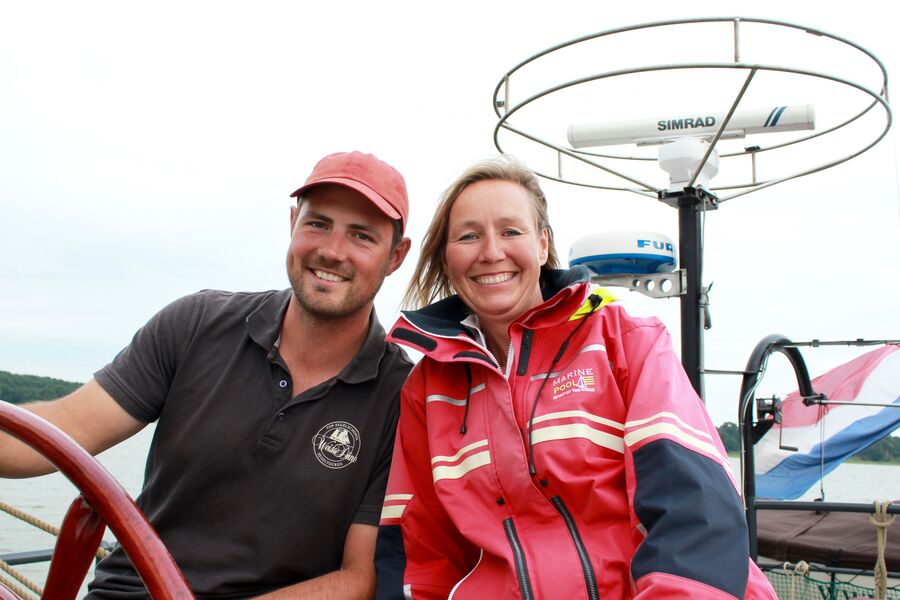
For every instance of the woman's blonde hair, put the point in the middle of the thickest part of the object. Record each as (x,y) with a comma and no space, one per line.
(429,282)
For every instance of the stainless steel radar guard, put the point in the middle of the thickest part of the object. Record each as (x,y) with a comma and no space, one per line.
(693,199)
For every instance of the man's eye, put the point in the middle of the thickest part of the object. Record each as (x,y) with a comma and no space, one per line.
(365,237)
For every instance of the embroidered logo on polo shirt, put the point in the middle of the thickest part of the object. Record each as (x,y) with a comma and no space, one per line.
(337,444)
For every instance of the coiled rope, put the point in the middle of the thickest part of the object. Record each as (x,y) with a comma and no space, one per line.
(881,520)
(801,570)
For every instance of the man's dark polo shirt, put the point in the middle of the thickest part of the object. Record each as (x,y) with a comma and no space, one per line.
(250,489)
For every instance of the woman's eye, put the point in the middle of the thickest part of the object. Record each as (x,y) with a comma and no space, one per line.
(512,233)
(467,237)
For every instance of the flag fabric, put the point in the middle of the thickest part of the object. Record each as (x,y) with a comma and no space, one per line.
(872,378)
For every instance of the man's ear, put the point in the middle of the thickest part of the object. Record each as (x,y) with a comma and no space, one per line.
(295,211)
(398,254)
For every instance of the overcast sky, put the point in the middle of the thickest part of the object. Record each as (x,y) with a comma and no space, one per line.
(148,150)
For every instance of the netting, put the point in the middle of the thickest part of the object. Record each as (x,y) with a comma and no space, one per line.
(790,585)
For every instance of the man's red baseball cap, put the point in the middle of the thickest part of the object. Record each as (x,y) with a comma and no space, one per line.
(375,179)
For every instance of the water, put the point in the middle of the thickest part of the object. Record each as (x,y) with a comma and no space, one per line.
(48,497)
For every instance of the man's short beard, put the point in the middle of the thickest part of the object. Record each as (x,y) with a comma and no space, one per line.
(350,305)
(329,312)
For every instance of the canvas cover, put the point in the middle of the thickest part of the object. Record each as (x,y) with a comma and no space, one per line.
(829,538)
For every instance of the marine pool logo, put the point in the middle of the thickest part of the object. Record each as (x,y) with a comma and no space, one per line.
(337,444)
(576,380)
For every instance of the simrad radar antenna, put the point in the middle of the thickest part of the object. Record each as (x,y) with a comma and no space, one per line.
(732,98)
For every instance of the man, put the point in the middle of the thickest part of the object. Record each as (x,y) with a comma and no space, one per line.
(275,411)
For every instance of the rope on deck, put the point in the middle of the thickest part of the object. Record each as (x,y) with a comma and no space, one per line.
(17,589)
(881,520)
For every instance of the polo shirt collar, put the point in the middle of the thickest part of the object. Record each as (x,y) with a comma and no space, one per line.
(264,327)
(364,365)
(264,323)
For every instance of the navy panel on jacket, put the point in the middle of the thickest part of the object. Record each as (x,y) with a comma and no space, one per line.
(693,516)
(390,563)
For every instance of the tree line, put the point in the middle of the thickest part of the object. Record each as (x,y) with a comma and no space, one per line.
(884,450)
(18,389)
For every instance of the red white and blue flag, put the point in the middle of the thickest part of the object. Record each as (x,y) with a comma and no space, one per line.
(826,435)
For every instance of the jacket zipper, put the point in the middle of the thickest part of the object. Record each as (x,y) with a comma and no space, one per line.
(519,557)
(460,337)
(590,580)
(461,581)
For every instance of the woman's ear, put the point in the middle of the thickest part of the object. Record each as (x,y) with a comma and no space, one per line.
(545,247)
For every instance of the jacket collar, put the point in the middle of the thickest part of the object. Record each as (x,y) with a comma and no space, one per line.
(444,317)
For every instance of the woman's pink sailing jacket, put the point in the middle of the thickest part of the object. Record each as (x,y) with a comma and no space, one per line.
(591,471)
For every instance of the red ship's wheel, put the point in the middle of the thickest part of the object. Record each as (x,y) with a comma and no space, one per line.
(102,502)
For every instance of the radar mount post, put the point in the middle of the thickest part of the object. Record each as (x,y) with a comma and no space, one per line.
(691,202)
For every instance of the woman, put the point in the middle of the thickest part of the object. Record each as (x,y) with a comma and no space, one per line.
(549,445)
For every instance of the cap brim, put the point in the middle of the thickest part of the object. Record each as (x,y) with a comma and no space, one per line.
(373,196)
